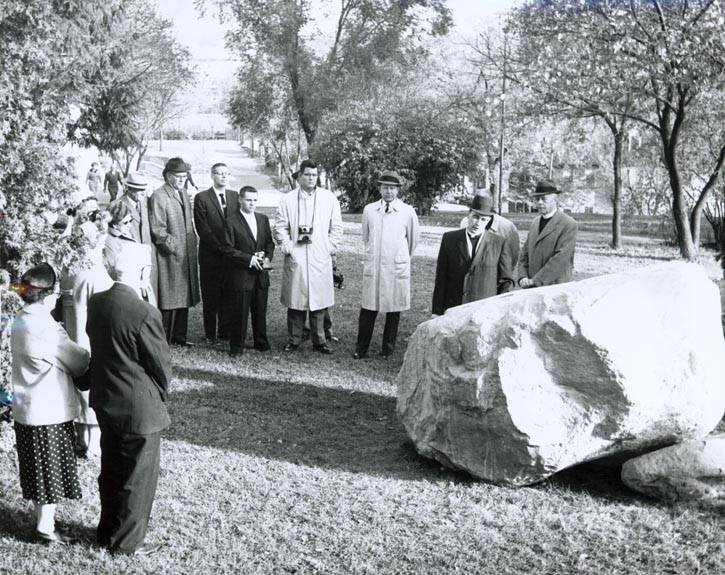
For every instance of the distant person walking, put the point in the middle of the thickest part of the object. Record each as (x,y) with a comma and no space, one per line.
(390,234)
(173,234)
(308,230)
(113,181)
(94,179)
(547,257)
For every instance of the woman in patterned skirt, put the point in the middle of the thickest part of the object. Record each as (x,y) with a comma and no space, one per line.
(44,363)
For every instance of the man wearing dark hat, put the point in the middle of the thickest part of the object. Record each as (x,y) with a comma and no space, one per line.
(547,257)
(212,207)
(506,228)
(473,263)
(390,234)
(172,231)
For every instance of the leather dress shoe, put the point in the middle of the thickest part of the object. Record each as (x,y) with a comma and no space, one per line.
(323,348)
(359,355)
(291,347)
(333,339)
(262,349)
(55,537)
(182,343)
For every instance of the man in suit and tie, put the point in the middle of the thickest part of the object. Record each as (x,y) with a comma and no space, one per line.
(547,257)
(249,250)
(131,370)
(211,209)
(474,262)
(172,231)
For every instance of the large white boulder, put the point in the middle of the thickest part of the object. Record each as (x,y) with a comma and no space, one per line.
(515,388)
(693,470)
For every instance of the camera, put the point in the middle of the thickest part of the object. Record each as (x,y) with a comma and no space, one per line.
(304,234)
(337,278)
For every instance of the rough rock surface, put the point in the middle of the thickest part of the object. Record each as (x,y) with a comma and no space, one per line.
(693,470)
(515,388)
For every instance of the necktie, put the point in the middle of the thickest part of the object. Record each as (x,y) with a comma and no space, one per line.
(474,243)
(387,207)
(223,203)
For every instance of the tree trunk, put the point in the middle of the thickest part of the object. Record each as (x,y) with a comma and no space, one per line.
(617,197)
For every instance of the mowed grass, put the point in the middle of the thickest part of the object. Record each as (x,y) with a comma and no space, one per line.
(296,463)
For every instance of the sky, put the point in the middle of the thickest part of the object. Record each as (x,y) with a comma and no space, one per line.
(205,36)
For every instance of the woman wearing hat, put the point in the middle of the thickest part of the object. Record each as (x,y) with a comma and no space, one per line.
(45,361)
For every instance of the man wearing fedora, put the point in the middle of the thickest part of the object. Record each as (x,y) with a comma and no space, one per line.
(172,231)
(474,262)
(547,257)
(390,234)
(506,228)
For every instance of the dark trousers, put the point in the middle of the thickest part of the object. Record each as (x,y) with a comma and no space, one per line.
(211,281)
(176,324)
(127,486)
(241,303)
(296,323)
(366,324)
(327,322)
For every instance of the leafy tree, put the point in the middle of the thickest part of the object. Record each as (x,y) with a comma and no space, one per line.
(315,74)
(139,90)
(650,62)
(420,136)
(47,51)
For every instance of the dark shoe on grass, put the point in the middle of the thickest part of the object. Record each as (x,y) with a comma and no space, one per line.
(291,347)
(360,355)
(55,537)
(323,348)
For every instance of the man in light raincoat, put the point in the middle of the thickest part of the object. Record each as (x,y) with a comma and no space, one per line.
(308,231)
(390,234)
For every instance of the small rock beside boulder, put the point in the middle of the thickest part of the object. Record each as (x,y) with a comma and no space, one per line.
(517,387)
(692,470)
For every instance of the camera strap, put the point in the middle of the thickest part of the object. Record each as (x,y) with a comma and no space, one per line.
(314,209)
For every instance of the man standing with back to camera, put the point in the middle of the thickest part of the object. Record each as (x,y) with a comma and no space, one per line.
(390,234)
(308,230)
(130,375)
(547,257)
(211,210)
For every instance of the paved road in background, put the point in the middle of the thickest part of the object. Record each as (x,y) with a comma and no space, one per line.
(202,154)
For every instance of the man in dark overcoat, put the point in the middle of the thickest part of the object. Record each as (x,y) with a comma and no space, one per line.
(172,231)
(131,371)
(211,209)
(474,262)
(249,249)
(547,257)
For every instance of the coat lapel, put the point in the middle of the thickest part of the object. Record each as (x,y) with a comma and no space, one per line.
(550,227)
(248,230)
(463,247)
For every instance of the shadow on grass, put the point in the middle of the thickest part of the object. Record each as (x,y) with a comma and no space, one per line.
(20,525)
(300,423)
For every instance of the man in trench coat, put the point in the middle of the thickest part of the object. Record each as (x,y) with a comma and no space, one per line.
(473,263)
(308,231)
(547,257)
(390,234)
(172,231)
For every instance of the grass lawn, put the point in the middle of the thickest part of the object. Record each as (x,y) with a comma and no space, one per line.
(296,463)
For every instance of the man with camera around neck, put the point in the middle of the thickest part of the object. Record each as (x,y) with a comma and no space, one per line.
(308,230)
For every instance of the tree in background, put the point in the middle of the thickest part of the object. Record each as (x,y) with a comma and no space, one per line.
(650,62)
(405,127)
(47,51)
(140,89)
(314,74)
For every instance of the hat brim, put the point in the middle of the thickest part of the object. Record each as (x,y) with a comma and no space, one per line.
(398,184)
(480,212)
(137,188)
